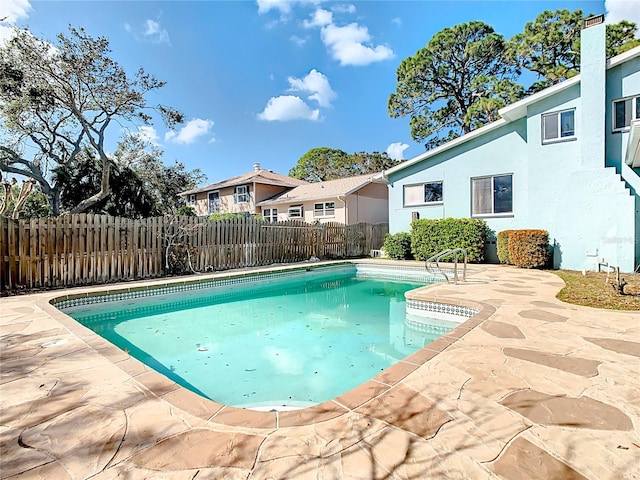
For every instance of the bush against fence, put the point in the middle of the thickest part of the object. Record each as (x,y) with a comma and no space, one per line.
(88,249)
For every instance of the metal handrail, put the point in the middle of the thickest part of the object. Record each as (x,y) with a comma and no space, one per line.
(435,259)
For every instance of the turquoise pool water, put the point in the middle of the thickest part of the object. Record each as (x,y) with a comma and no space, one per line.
(276,342)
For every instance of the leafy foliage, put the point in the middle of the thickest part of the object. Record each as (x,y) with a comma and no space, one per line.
(321,164)
(214,217)
(466,73)
(397,245)
(429,237)
(59,100)
(35,206)
(529,248)
(502,246)
(141,184)
(456,83)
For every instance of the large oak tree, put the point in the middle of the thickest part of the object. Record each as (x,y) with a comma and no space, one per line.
(57,103)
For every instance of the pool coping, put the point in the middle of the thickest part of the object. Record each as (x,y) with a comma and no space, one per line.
(209,410)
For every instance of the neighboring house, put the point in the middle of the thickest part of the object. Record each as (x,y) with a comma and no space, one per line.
(239,194)
(347,200)
(566,159)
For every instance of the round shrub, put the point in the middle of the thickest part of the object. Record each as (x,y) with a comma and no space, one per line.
(529,248)
(397,245)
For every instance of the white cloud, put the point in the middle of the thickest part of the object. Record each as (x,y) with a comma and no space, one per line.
(288,107)
(192,131)
(14,10)
(283,6)
(320,18)
(396,150)
(155,32)
(298,40)
(10,12)
(148,134)
(397,21)
(617,10)
(347,45)
(317,85)
(344,8)
(151,31)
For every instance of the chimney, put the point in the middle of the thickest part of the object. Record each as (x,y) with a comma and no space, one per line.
(593,83)
(256,167)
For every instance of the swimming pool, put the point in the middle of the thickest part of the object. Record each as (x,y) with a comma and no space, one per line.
(234,341)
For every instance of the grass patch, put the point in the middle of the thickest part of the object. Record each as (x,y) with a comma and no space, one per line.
(593,290)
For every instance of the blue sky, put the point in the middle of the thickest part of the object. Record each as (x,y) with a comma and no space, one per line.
(266,81)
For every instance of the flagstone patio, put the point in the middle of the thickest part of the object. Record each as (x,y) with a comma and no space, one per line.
(529,388)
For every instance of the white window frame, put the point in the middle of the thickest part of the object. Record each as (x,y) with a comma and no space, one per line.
(192,199)
(558,115)
(493,193)
(241,194)
(295,211)
(423,194)
(635,112)
(270,214)
(324,209)
(217,205)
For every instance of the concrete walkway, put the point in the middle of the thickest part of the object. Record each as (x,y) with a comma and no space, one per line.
(530,388)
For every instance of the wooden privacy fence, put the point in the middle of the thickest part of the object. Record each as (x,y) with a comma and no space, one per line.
(88,249)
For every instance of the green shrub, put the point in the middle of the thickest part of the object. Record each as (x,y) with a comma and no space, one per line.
(214,217)
(397,245)
(502,246)
(186,211)
(429,237)
(529,248)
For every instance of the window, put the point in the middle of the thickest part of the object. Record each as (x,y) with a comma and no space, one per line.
(270,214)
(423,193)
(295,211)
(624,111)
(492,195)
(558,126)
(192,199)
(214,202)
(241,194)
(326,209)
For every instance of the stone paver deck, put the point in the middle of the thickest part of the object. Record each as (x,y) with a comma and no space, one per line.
(529,388)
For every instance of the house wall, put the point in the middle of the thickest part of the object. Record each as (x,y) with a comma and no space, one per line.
(561,187)
(622,81)
(308,209)
(370,204)
(226,199)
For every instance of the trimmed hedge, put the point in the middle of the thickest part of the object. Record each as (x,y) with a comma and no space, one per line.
(429,237)
(502,246)
(397,245)
(529,248)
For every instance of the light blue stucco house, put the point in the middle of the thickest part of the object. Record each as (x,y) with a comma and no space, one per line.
(566,160)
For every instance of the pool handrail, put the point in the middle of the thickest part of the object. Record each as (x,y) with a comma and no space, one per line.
(433,266)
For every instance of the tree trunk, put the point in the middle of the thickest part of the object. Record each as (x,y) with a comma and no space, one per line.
(102,194)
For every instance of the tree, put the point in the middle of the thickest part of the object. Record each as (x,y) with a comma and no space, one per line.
(621,37)
(141,184)
(456,83)
(57,103)
(550,45)
(321,164)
